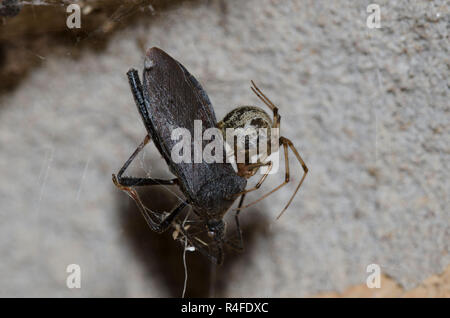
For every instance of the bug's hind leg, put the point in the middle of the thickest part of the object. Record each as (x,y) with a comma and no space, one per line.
(154,220)
(132,181)
(136,88)
(125,183)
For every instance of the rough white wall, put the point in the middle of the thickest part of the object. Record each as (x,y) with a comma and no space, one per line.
(367,108)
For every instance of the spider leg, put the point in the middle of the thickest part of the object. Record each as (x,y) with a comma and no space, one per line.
(286,145)
(286,179)
(268,102)
(263,178)
(154,220)
(305,171)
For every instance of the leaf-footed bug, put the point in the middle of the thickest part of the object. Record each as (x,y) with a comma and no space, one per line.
(171,97)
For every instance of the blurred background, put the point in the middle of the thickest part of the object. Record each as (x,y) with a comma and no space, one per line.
(367,108)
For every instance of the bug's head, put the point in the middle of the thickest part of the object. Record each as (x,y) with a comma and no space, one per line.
(216,229)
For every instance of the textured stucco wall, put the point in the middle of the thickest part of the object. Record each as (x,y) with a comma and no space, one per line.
(367,108)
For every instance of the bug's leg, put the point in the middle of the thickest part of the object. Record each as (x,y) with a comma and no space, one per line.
(159,225)
(132,181)
(219,258)
(164,225)
(240,245)
(136,90)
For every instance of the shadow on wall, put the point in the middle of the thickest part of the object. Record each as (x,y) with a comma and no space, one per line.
(163,257)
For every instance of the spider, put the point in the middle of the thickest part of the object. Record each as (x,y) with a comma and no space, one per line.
(255,118)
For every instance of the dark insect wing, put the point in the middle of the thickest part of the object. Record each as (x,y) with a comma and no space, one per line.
(201,94)
(175,99)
